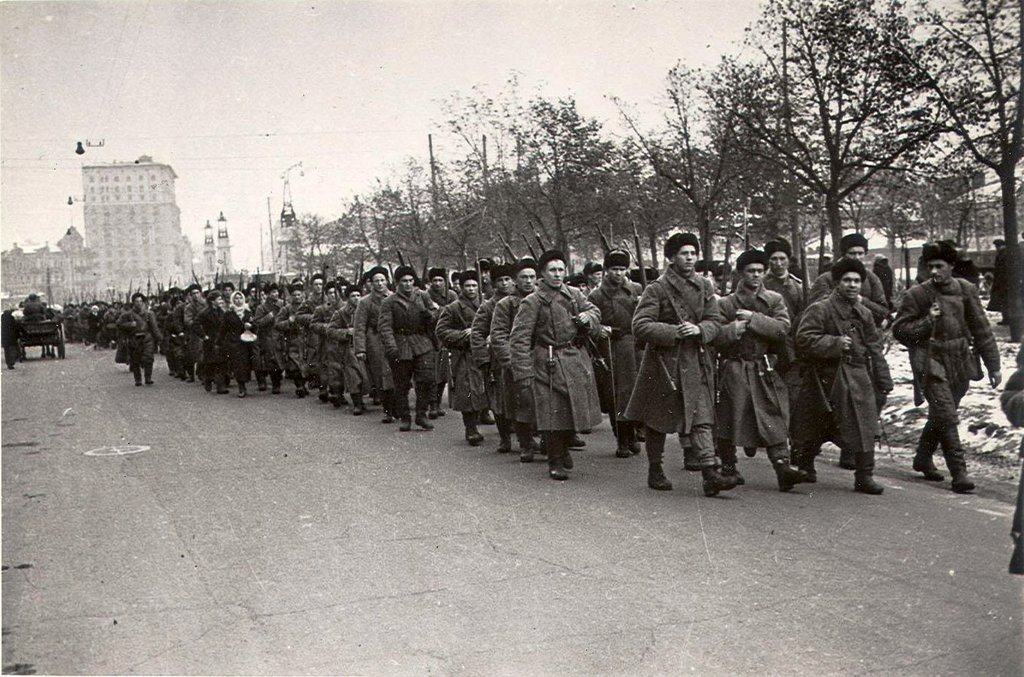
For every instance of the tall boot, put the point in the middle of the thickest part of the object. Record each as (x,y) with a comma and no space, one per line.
(923,457)
(388,398)
(847,459)
(556,448)
(726,451)
(525,439)
(275,382)
(630,429)
(222,384)
(261,381)
(655,443)
(566,441)
(955,460)
(690,460)
(621,439)
(241,389)
(715,481)
(422,403)
(864,480)
(300,387)
(786,475)
(147,370)
(357,405)
(473,436)
(805,462)
(137,373)
(504,433)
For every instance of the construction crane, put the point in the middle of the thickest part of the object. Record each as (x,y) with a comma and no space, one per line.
(288,217)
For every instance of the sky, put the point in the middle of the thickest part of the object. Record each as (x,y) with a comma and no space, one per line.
(230,94)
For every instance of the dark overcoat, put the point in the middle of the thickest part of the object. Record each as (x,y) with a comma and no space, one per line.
(482,346)
(850,379)
(141,335)
(366,340)
(546,356)
(442,360)
(513,403)
(406,325)
(617,304)
(292,325)
(239,354)
(675,383)
(753,402)
(344,369)
(466,390)
(268,357)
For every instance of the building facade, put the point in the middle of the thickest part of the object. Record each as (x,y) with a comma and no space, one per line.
(63,275)
(133,225)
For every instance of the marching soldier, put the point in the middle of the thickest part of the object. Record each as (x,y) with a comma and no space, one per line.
(268,357)
(943,325)
(405,324)
(209,325)
(677,317)
(322,315)
(515,406)
(366,340)
(454,327)
(292,324)
(753,404)
(441,295)
(139,325)
(846,377)
(194,305)
(593,272)
(616,297)
(348,373)
(778,279)
(855,246)
(549,362)
(485,353)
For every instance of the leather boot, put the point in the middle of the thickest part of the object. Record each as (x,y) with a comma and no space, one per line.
(137,373)
(567,459)
(622,441)
(241,390)
(432,411)
(147,370)
(504,434)
(690,461)
(656,478)
(729,470)
(357,405)
(715,482)
(923,457)
(473,435)
(962,483)
(486,417)
(955,460)
(726,451)
(406,424)
(864,481)
(805,462)
(556,470)
(577,442)
(787,475)
(261,383)
(222,385)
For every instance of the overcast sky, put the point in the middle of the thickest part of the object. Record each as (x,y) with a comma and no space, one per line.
(230,94)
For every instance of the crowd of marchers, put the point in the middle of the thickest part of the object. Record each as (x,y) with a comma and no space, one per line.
(516,345)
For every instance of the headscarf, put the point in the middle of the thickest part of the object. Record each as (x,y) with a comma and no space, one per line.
(239,310)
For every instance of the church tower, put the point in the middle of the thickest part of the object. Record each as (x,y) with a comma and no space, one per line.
(223,247)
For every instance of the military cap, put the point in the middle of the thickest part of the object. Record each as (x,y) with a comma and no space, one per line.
(273,286)
(549,256)
(844,266)
(193,287)
(777,245)
(524,263)
(617,258)
(351,289)
(678,241)
(591,267)
(405,271)
(467,275)
(501,270)
(138,295)
(316,276)
(377,269)
(213,295)
(939,250)
(751,256)
(296,286)
(332,284)
(436,272)
(852,240)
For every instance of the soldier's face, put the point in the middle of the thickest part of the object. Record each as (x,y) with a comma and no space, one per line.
(219,303)
(526,280)
(779,263)
(318,286)
(939,271)
(505,283)
(554,273)
(686,259)
(331,295)
(273,294)
(617,274)
(855,253)
(437,284)
(195,295)
(353,298)
(752,275)
(595,279)
(379,282)
(297,296)
(471,289)
(406,283)
(849,285)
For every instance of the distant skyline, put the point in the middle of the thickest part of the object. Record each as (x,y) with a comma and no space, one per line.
(231,94)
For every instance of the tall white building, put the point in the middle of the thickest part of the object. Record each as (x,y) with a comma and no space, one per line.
(133,225)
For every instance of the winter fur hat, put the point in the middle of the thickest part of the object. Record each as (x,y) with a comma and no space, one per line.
(678,241)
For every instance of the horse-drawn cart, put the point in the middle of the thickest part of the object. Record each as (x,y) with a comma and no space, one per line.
(41,333)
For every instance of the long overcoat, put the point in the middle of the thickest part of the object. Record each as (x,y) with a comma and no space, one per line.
(316,339)
(675,383)
(442,360)
(753,402)
(482,347)
(268,357)
(872,294)
(406,325)
(292,324)
(141,334)
(850,379)
(208,326)
(466,390)
(545,355)
(617,304)
(344,369)
(194,337)
(513,403)
(240,355)
(366,340)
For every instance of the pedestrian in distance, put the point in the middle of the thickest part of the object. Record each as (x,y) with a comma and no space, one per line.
(138,325)
(466,387)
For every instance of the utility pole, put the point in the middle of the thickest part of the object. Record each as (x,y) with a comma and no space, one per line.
(270,225)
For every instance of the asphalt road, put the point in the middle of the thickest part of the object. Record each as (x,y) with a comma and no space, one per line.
(278,536)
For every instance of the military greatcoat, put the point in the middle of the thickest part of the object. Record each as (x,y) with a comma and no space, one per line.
(366,340)
(292,324)
(466,389)
(753,402)
(617,304)
(512,403)
(675,384)
(546,355)
(482,346)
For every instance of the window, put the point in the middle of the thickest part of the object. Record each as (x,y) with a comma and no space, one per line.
(92,179)
(117,179)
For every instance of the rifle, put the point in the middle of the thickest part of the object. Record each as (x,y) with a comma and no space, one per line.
(639,257)
(508,249)
(539,241)
(196,279)
(401,260)
(604,241)
(821,389)
(529,246)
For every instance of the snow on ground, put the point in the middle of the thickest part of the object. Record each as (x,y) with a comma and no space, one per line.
(989,441)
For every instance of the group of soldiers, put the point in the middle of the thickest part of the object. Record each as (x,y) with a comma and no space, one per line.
(516,345)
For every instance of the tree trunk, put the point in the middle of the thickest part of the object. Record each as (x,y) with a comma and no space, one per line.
(835,222)
(1014,303)
(652,241)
